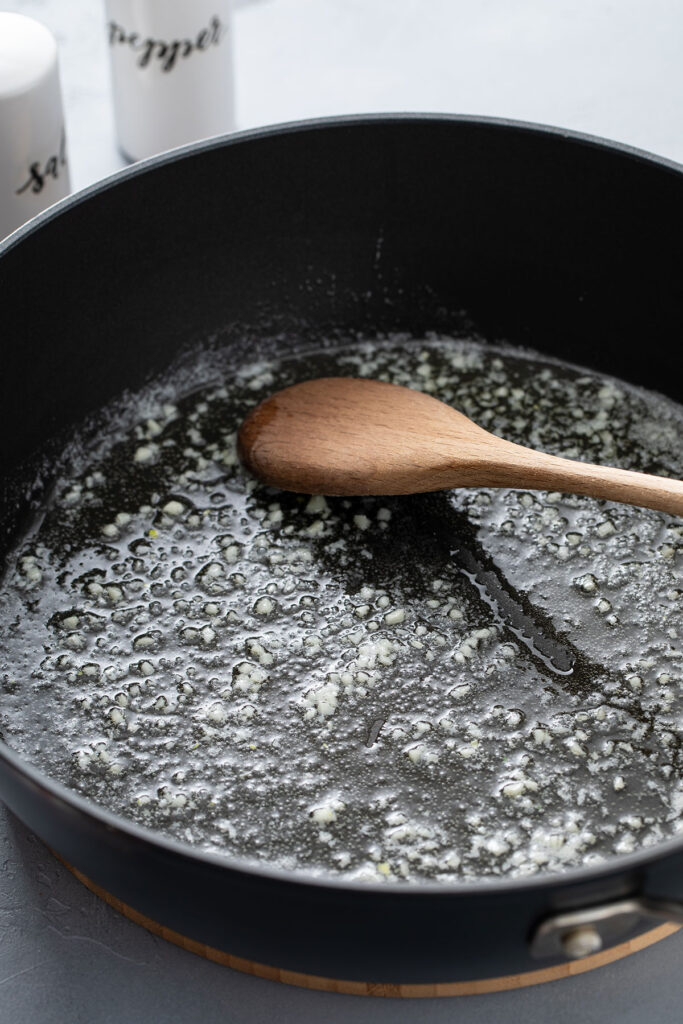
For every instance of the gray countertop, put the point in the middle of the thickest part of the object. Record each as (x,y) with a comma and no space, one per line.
(610,68)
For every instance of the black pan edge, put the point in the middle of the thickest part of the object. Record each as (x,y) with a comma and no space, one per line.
(322,124)
(592,874)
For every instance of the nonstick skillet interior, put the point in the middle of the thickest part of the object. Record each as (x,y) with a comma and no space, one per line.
(555,242)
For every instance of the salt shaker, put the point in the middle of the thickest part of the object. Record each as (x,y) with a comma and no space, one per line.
(33,166)
(172,77)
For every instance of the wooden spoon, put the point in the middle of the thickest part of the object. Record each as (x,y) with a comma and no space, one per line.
(344,435)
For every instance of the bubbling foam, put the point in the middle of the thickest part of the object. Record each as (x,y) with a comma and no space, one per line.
(454,687)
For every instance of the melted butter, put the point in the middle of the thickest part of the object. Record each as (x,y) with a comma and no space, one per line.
(450,686)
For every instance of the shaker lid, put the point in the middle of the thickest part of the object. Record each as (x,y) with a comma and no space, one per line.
(28,53)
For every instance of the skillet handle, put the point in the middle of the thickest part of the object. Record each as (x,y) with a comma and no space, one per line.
(577,933)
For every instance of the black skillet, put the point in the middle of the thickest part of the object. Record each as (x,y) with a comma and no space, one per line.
(563,243)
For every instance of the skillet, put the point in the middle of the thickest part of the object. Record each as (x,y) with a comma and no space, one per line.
(563,243)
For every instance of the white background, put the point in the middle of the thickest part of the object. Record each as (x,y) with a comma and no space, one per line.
(609,67)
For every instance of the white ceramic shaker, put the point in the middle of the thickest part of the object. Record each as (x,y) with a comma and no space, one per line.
(33,167)
(172,72)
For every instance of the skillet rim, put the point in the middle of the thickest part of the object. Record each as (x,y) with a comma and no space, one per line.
(619,864)
(321,123)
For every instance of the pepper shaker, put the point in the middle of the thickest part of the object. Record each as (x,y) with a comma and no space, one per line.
(172,77)
(33,166)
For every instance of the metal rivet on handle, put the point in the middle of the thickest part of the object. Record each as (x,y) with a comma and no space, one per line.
(583,941)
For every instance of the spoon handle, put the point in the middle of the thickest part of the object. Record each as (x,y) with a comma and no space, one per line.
(524,467)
